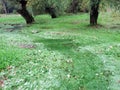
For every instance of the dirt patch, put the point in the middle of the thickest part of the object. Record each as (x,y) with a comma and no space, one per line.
(28,46)
(96,26)
(75,22)
(62,33)
(46,27)
(117,26)
(34,31)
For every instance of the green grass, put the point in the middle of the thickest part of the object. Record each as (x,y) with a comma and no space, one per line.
(60,54)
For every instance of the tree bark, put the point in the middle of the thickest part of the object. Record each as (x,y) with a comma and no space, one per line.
(51,11)
(74,6)
(94,12)
(4,6)
(24,12)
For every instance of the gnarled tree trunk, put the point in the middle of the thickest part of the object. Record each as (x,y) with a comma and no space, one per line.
(24,12)
(94,12)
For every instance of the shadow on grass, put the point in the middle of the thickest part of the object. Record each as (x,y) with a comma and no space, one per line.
(12,27)
(57,44)
(82,68)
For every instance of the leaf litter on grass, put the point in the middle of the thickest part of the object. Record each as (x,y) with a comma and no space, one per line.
(111,64)
(35,75)
(66,57)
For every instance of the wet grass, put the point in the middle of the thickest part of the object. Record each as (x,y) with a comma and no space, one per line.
(60,54)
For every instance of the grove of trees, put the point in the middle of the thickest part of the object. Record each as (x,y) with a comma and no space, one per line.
(56,7)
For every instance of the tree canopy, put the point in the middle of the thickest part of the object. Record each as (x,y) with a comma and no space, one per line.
(58,7)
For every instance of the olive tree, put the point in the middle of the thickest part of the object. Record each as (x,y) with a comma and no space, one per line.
(21,8)
(114,4)
(94,8)
(4,5)
(94,11)
(53,7)
(78,6)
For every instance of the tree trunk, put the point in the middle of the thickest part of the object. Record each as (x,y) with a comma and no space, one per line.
(94,13)
(24,12)
(74,6)
(4,6)
(51,11)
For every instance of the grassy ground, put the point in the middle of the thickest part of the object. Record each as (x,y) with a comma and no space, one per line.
(60,54)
